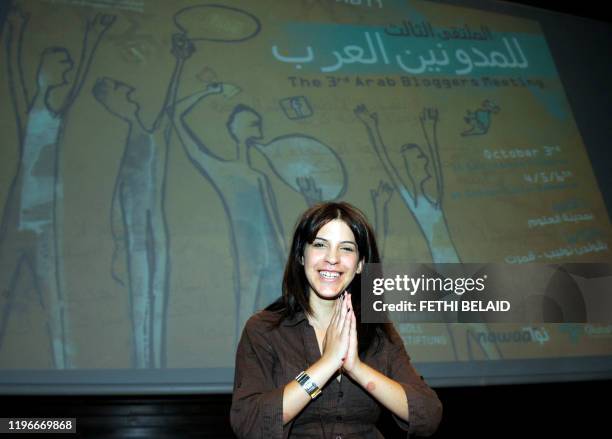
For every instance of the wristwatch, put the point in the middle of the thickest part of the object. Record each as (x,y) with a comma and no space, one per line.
(308,385)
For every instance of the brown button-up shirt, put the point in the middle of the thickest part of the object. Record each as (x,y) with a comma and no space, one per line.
(269,357)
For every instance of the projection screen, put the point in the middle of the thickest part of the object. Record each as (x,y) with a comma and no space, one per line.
(156,155)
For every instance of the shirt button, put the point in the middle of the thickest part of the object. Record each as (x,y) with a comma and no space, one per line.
(340,394)
(338,437)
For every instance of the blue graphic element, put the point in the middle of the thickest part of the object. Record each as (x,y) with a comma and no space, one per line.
(480,120)
(327,48)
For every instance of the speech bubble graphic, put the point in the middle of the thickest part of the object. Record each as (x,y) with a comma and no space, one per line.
(217,23)
(297,156)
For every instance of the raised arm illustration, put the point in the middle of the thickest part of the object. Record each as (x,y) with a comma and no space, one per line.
(94,31)
(198,153)
(404,184)
(13,40)
(30,235)
(380,199)
(429,124)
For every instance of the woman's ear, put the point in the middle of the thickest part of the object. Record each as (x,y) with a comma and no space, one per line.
(302,259)
(360,267)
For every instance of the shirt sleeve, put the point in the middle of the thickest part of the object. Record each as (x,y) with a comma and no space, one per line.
(424,406)
(257,405)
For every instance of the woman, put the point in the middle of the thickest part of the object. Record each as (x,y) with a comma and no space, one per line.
(305,367)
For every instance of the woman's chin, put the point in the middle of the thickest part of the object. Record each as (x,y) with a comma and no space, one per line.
(329,293)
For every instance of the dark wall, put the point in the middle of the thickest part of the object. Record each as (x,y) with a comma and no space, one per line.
(540,410)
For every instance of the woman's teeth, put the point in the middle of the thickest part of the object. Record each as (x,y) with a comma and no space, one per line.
(329,274)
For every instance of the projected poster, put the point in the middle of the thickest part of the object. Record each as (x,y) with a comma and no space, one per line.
(156,155)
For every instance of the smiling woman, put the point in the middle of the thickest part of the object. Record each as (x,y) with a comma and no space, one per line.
(290,353)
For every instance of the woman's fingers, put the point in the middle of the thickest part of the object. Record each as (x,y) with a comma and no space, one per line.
(337,336)
(351,355)
(346,326)
(338,318)
(335,314)
(343,310)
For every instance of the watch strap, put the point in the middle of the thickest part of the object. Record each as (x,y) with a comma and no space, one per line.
(308,385)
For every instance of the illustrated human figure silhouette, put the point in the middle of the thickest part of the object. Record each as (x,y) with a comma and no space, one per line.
(411,182)
(138,221)
(256,234)
(30,233)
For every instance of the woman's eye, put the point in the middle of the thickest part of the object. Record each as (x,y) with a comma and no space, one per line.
(317,244)
(348,249)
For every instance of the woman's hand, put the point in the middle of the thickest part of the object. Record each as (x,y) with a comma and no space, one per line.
(352,356)
(336,341)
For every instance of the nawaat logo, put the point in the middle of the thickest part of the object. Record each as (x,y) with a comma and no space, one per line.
(525,335)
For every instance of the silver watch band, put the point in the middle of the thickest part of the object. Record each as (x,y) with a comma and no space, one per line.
(308,385)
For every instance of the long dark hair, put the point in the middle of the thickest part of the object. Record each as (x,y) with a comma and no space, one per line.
(296,289)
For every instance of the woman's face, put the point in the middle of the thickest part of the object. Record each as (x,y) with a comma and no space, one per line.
(332,260)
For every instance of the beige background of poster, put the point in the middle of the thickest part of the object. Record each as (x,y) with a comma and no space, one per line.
(136,50)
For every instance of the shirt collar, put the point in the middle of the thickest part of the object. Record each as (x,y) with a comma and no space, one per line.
(299,317)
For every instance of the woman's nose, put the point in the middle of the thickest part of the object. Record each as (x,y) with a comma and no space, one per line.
(332,255)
